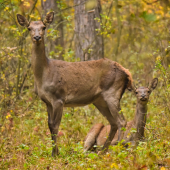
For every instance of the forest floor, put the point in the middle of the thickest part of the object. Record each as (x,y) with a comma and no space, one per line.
(25,141)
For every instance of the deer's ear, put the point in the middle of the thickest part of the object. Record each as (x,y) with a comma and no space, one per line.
(22,20)
(49,18)
(153,84)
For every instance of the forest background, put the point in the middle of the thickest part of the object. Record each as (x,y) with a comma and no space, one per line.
(134,33)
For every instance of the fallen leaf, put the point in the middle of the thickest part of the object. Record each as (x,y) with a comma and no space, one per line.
(167,160)
(60,133)
(163,168)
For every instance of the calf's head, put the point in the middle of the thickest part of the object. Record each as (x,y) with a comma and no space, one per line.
(143,93)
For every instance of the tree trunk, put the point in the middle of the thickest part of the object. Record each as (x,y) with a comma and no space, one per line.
(119,29)
(57,45)
(88,42)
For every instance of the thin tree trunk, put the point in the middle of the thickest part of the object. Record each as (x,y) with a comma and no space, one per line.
(88,42)
(119,28)
(47,6)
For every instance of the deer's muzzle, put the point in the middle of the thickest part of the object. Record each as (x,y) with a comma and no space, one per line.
(143,98)
(37,38)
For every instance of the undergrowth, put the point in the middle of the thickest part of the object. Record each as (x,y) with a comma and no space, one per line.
(26,143)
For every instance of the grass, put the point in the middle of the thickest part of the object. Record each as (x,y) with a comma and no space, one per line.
(26,143)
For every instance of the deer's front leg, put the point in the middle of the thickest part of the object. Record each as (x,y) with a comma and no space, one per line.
(35,89)
(54,118)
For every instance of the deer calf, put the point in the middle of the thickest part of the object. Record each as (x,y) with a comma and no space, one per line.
(98,133)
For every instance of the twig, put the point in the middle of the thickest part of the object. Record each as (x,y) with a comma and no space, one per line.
(73,6)
(31,10)
(109,11)
(150,3)
(25,76)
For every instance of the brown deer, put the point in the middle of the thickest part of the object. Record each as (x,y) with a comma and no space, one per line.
(68,84)
(98,133)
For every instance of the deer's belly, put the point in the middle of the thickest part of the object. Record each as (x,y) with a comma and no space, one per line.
(73,101)
(71,98)
(81,100)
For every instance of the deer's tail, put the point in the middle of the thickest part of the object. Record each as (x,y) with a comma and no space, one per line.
(129,85)
(91,137)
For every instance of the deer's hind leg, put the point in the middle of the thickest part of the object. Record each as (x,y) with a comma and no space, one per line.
(104,109)
(113,103)
(120,121)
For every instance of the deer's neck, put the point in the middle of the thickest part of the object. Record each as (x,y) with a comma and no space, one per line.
(140,119)
(39,61)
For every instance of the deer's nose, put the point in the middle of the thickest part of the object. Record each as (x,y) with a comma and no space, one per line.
(37,38)
(143,95)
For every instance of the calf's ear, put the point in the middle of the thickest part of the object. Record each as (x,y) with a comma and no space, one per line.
(153,84)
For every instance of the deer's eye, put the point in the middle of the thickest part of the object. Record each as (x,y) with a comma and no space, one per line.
(148,91)
(29,29)
(136,92)
(44,28)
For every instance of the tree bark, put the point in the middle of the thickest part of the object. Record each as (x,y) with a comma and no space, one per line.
(47,6)
(119,29)
(88,42)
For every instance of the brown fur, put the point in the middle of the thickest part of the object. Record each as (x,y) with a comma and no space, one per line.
(99,137)
(130,80)
(64,84)
(92,135)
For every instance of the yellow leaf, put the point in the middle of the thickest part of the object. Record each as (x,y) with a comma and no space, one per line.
(6,8)
(8,116)
(31,16)
(163,168)
(26,4)
(114,165)
(158,58)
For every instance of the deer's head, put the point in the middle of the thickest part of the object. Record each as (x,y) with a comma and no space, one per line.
(143,93)
(36,28)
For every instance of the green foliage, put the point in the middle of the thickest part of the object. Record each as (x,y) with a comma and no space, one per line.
(148,17)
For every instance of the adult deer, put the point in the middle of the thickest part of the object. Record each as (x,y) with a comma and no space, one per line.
(63,84)
(98,133)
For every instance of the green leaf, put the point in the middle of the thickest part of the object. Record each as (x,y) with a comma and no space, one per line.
(93,155)
(148,17)
(133,130)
